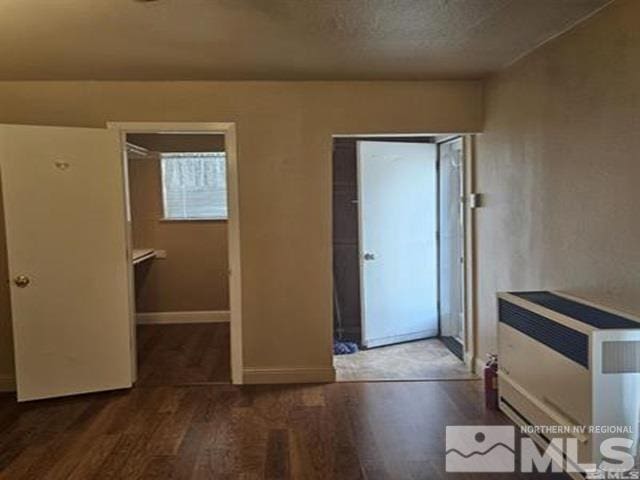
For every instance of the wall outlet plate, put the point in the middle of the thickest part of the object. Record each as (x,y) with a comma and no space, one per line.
(161,254)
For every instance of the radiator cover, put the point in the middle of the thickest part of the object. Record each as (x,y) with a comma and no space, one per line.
(567,361)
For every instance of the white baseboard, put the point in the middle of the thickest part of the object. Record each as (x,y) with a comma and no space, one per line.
(7,383)
(252,375)
(203,316)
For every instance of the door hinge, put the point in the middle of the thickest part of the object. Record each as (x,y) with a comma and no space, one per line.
(475,200)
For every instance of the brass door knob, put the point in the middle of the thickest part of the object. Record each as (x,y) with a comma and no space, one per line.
(22,281)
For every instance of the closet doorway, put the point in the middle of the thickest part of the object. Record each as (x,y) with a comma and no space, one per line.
(181,191)
(399,258)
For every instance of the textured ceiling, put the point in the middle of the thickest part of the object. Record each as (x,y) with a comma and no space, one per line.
(274,39)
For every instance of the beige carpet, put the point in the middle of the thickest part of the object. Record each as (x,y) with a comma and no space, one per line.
(421,360)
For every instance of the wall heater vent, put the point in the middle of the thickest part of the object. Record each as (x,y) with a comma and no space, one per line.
(620,357)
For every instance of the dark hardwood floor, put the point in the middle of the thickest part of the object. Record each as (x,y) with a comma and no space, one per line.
(339,431)
(176,424)
(183,354)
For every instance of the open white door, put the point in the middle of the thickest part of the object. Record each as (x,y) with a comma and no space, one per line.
(398,247)
(64,207)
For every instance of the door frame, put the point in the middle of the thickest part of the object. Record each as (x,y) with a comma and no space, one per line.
(468,252)
(471,203)
(471,199)
(228,129)
(463,214)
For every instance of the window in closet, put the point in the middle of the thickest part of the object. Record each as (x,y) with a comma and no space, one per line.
(194,186)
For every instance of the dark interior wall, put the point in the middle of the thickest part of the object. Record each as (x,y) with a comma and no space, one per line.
(346,262)
(346,274)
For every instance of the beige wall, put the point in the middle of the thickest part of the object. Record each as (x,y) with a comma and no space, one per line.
(193,276)
(284,140)
(558,164)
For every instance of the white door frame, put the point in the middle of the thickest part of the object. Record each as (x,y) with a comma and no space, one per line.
(471,202)
(228,129)
(468,251)
(463,220)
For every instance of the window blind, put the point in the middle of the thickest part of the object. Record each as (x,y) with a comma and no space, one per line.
(194,186)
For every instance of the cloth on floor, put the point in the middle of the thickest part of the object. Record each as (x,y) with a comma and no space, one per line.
(344,348)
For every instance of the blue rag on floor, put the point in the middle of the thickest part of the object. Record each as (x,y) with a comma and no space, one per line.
(344,348)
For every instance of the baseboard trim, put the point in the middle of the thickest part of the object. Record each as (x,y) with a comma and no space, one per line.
(201,316)
(7,383)
(252,375)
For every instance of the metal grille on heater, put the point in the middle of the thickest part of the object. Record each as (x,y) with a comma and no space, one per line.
(621,357)
(585,313)
(564,340)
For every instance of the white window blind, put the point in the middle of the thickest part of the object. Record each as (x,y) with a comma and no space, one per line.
(194,186)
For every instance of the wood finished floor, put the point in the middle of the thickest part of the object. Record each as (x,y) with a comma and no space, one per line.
(371,431)
(173,426)
(183,354)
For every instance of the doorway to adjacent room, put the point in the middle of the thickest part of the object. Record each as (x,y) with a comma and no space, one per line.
(178,213)
(182,208)
(399,258)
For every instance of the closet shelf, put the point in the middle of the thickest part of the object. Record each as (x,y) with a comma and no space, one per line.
(142,255)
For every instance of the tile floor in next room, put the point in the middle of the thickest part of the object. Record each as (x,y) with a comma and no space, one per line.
(426,359)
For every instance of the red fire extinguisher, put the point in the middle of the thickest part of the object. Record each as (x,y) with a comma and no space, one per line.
(491,382)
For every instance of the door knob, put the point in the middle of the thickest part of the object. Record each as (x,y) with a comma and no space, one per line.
(369,256)
(22,281)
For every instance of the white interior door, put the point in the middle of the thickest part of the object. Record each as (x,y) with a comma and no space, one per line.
(398,247)
(66,240)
